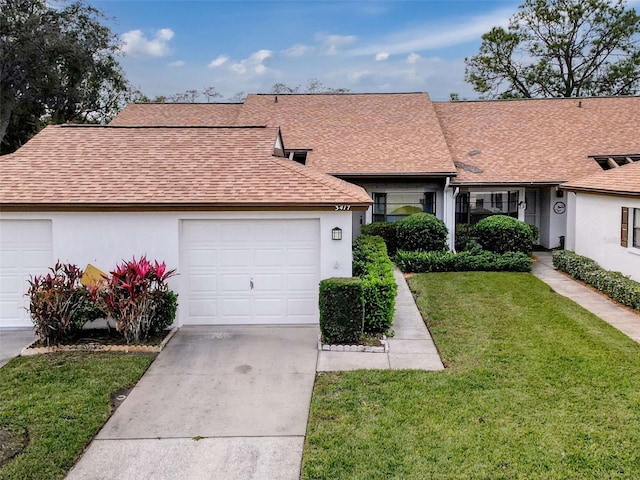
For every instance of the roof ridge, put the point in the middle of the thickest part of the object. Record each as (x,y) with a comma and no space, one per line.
(150,127)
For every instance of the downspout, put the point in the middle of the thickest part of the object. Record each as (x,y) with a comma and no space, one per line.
(456,191)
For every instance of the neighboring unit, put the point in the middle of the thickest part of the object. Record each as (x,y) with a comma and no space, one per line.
(604,222)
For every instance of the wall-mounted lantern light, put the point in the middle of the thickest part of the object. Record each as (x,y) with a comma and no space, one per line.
(336,233)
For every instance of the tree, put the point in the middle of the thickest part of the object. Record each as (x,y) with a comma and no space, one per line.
(56,65)
(313,86)
(560,48)
(211,93)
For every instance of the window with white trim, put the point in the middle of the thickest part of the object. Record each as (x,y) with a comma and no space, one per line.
(394,206)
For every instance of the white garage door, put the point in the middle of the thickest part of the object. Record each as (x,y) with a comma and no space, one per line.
(25,250)
(250,271)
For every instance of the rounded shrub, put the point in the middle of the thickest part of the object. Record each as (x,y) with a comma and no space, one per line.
(421,232)
(501,234)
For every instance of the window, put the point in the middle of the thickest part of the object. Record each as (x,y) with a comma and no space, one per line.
(394,206)
(636,228)
(471,207)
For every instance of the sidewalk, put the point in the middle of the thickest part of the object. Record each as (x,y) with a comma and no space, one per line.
(624,320)
(411,346)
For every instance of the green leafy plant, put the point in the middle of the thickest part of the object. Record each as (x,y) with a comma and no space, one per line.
(422,232)
(341,310)
(387,230)
(136,297)
(613,284)
(471,260)
(372,264)
(501,234)
(59,304)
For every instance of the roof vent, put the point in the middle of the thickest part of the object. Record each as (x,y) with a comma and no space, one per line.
(473,153)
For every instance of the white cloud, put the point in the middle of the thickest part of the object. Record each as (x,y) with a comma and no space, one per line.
(136,44)
(431,37)
(297,50)
(255,62)
(382,56)
(220,60)
(413,58)
(177,63)
(333,43)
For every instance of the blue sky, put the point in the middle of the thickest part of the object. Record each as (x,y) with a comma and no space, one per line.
(384,46)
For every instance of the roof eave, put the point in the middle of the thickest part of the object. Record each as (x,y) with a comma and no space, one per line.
(396,175)
(601,191)
(544,183)
(183,207)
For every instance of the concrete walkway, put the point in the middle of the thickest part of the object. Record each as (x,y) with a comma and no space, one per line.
(217,403)
(621,318)
(411,346)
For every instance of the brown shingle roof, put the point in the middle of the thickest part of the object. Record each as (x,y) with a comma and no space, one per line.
(80,165)
(537,140)
(623,180)
(183,114)
(357,133)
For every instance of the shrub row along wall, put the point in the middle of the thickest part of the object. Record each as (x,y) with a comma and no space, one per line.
(372,264)
(613,284)
(474,260)
(350,307)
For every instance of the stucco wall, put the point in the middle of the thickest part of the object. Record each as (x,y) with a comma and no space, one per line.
(597,232)
(105,239)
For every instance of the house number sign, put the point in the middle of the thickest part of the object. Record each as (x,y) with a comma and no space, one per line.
(342,207)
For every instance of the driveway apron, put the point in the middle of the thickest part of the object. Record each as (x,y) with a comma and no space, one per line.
(217,403)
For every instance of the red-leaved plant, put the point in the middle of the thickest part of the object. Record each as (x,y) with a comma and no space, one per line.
(59,304)
(134,296)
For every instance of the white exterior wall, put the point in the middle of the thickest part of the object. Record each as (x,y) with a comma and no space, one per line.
(557,223)
(106,239)
(570,243)
(597,232)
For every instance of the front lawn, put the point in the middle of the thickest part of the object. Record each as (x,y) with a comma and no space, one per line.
(536,388)
(61,400)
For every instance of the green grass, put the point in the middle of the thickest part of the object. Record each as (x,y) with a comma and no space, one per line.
(62,400)
(536,388)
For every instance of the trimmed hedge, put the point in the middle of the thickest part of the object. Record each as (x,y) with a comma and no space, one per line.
(372,264)
(473,260)
(422,232)
(387,230)
(341,310)
(501,234)
(613,284)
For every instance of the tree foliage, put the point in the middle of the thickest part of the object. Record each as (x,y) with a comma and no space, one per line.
(560,48)
(56,65)
(313,86)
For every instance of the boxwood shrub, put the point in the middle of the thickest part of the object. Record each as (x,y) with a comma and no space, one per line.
(500,234)
(473,260)
(422,232)
(613,284)
(386,230)
(341,310)
(372,264)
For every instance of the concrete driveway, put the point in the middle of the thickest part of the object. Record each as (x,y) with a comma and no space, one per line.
(12,342)
(218,403)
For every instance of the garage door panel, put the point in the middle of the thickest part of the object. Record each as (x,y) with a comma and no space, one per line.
(270,306)
(268,257)
(202,258)
(203,283)
(25,251)
(235,307)
(264,282)
(281,257)
(203,308)
(232,257)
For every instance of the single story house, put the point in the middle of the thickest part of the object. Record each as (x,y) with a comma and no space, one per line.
(604,218)
(250,231)
(177,181)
